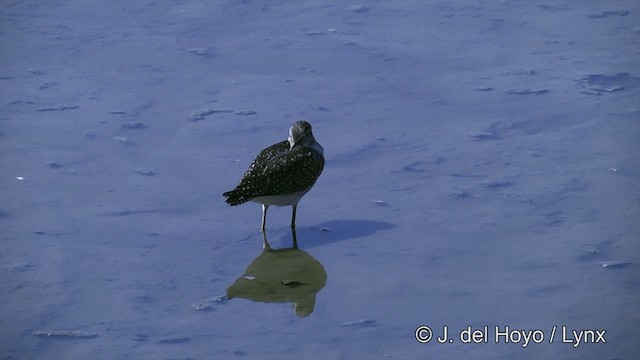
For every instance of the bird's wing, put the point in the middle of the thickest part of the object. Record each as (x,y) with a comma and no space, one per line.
(244,191)
(286,173)
(259,163)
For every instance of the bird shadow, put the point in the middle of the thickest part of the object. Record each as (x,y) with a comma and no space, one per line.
(285,275)
(335,231)
(289,274)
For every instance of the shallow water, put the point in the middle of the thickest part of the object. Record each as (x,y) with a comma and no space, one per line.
(482,170)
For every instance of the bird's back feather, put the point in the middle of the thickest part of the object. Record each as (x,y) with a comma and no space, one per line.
(278,171)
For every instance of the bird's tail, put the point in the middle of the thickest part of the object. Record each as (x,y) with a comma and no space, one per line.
(234,197)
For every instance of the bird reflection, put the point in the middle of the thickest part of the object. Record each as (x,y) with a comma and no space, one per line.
(280,276)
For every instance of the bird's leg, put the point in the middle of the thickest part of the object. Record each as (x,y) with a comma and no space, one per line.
(295,238)
(264,217)
(265,243)
(293,216)
(293,226)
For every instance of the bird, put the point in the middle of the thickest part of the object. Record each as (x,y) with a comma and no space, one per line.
(281,174)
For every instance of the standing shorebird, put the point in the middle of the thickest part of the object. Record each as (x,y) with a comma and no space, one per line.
(282,173)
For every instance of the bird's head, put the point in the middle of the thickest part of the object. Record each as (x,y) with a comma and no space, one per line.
(300,134)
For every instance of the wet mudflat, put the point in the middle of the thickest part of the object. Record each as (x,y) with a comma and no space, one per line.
(482,171)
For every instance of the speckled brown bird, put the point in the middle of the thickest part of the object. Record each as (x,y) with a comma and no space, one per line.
(282,173)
